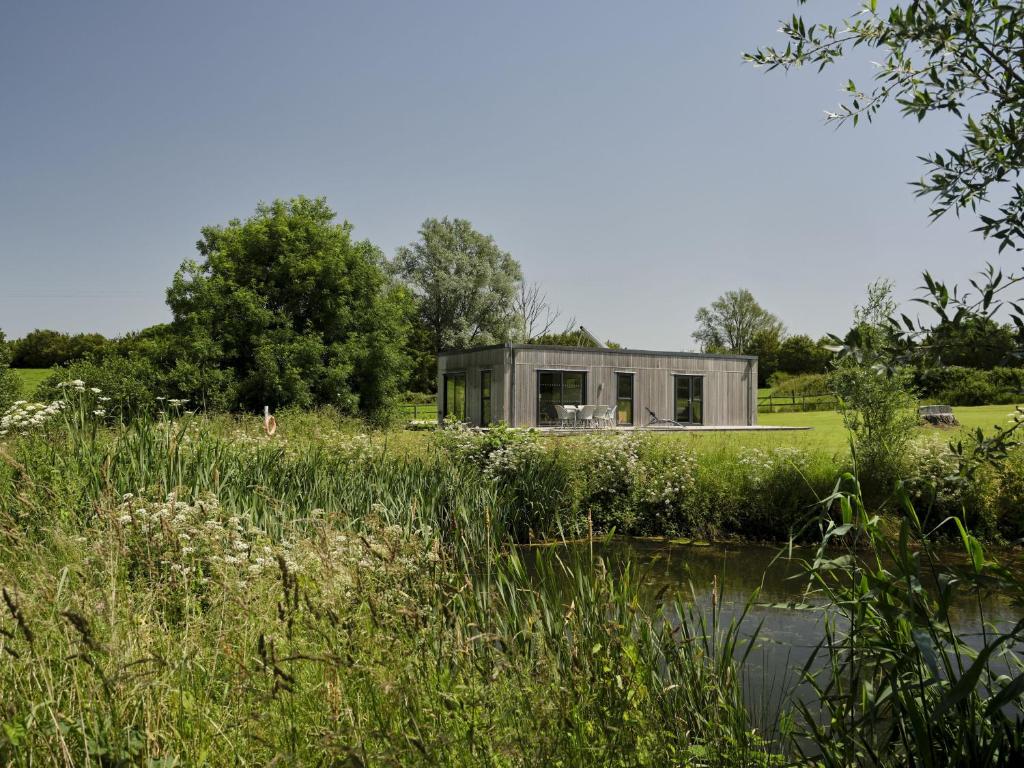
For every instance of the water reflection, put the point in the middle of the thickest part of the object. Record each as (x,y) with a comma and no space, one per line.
(787,617)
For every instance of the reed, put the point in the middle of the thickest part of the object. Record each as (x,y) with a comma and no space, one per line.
(184,591)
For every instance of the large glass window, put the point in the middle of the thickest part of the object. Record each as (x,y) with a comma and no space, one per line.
(485,398)
(455,396)
(689,399)
(624,399)
(559,388)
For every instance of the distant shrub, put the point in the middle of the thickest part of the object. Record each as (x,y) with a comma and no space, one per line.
(956,385)
(777,378)
(1009,500)
(132,384)
(46,348)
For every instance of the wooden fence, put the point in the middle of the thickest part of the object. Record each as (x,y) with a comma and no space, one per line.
(774,403)
(418,411)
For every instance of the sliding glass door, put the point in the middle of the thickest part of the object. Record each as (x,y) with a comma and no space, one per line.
(689,399)
(558,388)
(455,396)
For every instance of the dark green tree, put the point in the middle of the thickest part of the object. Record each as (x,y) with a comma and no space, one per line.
(975,341)
(951,56)
(766,343)
(296,310)
(43,348)
(800,354)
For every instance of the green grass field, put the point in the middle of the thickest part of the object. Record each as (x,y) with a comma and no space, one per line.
(826,432)
(827,426)
(30,379)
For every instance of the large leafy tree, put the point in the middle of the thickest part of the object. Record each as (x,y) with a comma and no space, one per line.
(295,309)
(964,57)
(465,285)
(733,322)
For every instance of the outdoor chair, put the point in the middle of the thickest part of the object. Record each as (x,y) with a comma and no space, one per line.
(566,418)
(585,415)
(655,421)
(601,415)
(613,411)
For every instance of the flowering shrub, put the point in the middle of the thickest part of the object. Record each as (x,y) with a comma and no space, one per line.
(191,543)
(10,384)
(666,477)
(475,445)
(24,416)
(605,467)
(384,564)
(513,458)
(932,476)
(761,466)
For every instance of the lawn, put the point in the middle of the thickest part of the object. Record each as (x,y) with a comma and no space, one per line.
(826,433)
(30,379)
(827,426)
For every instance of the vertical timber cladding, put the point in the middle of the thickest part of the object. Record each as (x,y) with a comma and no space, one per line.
(730,381)
(472,363)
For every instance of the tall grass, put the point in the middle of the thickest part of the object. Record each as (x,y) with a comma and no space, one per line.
(176,593)
(181,591)
(899,685)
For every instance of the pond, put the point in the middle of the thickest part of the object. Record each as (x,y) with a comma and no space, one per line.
(788,634)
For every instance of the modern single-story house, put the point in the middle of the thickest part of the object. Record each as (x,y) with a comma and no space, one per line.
(521,385)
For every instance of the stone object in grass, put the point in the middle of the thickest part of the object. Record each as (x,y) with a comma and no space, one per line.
(938,415)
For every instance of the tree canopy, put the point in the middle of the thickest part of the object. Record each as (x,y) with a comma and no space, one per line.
(948,56)
(44,348)
(976,341)
(465,286)
(292,310)
(733,322)
(799,354)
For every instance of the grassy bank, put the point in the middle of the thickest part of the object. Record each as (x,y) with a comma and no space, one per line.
(181,593)
(186,591)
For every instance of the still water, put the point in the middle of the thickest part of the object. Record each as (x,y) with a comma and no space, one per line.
(791,621)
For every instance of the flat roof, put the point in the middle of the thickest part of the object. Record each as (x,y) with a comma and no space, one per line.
(599,350)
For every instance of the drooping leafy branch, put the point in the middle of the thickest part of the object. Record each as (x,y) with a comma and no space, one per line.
(964,57)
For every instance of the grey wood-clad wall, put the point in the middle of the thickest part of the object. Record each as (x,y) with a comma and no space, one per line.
(472,363)
(730,382)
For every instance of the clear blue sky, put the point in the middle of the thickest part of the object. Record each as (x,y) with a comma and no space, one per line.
(621,151)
